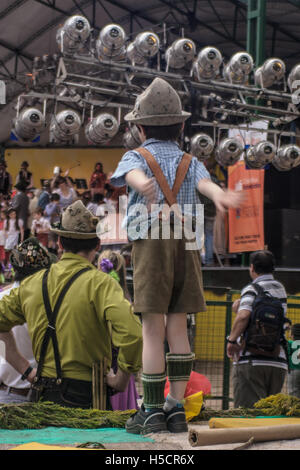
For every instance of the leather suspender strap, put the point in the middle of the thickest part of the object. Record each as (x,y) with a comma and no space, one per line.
(181,173)
(182,170)
(52,315)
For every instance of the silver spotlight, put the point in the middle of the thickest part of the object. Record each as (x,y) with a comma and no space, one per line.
(207,64)
(111,43)
(293,77)
(287,157)
(180,53)
(29,124)
(272,71)
(70,37)
(131,138)
(229,151)
(260,155)
(202,146)
(101,129)
(238,68)
(144,46)
(65,127)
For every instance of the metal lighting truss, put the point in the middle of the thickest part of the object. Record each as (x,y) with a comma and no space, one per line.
(83,82)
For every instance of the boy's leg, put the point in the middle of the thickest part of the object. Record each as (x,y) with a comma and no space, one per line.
(179,367)
(154,368)
(151,417)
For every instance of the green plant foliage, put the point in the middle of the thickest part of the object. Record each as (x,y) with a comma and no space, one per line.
(44,414)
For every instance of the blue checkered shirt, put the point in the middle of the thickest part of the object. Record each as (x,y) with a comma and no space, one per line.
(168,155)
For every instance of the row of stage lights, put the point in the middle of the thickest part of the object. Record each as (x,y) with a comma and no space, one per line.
(65,127)
(112,45)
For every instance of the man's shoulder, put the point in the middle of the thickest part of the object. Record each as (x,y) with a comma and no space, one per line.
(249,288)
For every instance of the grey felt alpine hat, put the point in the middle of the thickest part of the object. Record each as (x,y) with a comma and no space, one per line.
(158,105)
(76,222)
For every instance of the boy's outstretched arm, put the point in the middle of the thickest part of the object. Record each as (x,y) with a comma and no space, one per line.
(223,199)
(142,184)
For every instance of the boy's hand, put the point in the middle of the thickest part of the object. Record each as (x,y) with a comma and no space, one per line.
(148,189)
(228,199)
(142,184)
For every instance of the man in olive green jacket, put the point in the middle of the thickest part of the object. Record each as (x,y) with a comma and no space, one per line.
(93,314)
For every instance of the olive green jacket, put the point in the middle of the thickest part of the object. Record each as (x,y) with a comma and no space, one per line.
(94,314)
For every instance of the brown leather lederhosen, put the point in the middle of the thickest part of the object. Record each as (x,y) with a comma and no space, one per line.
(165,282)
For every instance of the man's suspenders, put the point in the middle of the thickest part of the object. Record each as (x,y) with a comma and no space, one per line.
(50,331)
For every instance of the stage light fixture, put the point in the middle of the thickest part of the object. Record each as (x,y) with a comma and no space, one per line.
(72,35)
(207,65)
(131,138)
(202,146)
(271,72)
(293,77)
(229,151)
(180,53)
(65,126)
(260,155)
(238,68)
(29,124)
(145,45)
(287,157)
(101,129)
(111,43)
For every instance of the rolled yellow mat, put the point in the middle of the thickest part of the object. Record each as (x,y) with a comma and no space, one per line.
(208,437)
(250,422)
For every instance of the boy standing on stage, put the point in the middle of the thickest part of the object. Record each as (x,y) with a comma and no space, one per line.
(167,275)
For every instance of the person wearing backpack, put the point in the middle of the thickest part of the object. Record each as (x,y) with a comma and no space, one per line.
(256,343)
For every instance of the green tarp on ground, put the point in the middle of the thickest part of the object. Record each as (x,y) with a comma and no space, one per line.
(72,436)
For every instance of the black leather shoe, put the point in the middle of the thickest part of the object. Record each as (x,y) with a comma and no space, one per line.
(146,422)
(176,420)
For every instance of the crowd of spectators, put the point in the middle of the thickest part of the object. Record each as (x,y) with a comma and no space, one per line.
(26,210)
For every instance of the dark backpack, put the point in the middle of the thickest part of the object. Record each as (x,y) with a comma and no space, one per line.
(265,334)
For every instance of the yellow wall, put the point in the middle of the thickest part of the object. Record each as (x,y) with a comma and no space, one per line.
(42,161)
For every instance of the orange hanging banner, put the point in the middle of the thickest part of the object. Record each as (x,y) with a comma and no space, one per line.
(246,225)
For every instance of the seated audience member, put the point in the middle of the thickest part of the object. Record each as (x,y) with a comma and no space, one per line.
(33,204)
(86,198)
(28,258)
(44,197)
(53,209)
(67,194)
(97,206)
(52,213)
(40,227)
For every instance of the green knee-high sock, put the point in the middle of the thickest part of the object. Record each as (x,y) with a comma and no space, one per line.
(179,366)
(154,386)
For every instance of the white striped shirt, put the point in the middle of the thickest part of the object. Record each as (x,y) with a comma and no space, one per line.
(277,290)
